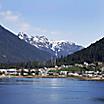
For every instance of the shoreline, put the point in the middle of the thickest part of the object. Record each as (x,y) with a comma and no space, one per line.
(75,77)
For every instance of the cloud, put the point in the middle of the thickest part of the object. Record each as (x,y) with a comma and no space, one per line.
(8,15)
(55,33)
(15,19)
(17,24)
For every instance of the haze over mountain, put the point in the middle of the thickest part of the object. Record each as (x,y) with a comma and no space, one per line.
(15,50)
(94,53)
(56,48)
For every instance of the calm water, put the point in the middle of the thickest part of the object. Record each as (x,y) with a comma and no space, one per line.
(50,91)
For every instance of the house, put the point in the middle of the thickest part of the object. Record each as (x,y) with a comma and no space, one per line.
(63,66)
(19,72)
(102,69)
(24,71)
(73,74)
(89,73)
(43,72)
(11,71)
(79,65)
(63,72)
(100,63)
(33,71)
(3,71)
(92,65)
(86,64)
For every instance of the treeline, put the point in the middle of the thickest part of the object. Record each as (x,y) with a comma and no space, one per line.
(27,65)
(94,53)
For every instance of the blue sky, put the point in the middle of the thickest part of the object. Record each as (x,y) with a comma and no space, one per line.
(79,21)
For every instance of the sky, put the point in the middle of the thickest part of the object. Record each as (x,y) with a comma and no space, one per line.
(79,21)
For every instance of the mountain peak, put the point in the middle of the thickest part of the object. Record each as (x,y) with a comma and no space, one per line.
(62,42)
(41,38)
(57,48)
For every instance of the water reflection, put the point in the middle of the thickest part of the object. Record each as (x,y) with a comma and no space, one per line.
(50,91)
(99,99)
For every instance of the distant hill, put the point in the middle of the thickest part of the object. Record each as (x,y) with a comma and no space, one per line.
(94,53)
(14,50)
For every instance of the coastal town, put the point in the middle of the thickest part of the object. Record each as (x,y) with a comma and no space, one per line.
(83,71)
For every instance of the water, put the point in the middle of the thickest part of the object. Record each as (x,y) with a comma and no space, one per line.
(50,91)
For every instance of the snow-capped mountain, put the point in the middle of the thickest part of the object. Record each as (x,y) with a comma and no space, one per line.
(56,48)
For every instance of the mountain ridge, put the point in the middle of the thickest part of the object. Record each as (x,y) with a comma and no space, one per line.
(92,54)
(56,48)
(14,50)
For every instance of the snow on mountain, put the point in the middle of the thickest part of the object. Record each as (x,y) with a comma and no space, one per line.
(57,48)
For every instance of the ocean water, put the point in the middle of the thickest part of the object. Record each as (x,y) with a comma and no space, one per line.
(50,91)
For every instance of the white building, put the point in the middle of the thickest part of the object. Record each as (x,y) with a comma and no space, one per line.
(3,71)
(64,72)
(85,63)
(11,71)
